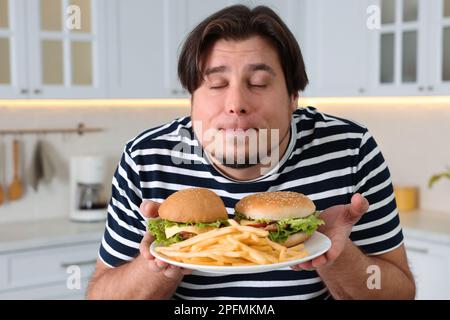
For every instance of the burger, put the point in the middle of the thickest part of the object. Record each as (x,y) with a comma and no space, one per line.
(187,213)
(290,217)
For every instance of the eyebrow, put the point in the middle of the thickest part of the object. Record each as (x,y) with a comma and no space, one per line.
(252,67)
(261,67)
(219,69)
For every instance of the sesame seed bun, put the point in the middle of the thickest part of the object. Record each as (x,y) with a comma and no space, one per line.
(276,205)
(193,205)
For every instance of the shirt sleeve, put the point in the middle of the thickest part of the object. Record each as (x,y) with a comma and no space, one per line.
(125,226)
(379,229)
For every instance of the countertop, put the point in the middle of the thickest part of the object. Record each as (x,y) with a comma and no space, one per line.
(47,232)
(427,224)
(15,236)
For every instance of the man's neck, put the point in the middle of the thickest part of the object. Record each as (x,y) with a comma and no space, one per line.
(256,171)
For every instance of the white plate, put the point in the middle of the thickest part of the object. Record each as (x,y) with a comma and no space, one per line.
(316,245)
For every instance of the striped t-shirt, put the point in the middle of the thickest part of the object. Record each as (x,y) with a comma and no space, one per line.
(328,159)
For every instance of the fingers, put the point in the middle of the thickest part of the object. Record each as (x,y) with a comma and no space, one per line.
(358,206)
(311,265)
(303,266)
(144,246)
(157,265)
(174,272)
(359,202)
(169,271)
(149,209)
(319,261)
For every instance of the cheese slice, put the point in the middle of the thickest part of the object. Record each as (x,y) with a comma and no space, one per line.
(244,222)
(171,231)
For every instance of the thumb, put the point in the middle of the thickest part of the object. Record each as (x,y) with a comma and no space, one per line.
(149,209)
(357,207)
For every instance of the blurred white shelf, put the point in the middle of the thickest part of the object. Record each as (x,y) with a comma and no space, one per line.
(47,232)
(38,259)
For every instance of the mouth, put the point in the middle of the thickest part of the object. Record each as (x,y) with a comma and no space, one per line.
(237,130)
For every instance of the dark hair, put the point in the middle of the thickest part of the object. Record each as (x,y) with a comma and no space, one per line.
(239,22)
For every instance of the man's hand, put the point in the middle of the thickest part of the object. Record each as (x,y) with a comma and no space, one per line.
(149,209)
(339,221)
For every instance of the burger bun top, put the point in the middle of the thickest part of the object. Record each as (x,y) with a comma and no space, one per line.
(276,205)
(193,205)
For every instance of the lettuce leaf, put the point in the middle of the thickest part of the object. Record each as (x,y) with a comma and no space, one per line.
(157,227)
(286,227)
(239,216)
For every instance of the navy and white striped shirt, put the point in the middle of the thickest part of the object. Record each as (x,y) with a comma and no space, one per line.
(328,159)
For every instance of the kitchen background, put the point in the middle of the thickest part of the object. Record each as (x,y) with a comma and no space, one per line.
(116,70)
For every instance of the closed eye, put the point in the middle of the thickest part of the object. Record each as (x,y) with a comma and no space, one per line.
(217,87)
(258,85)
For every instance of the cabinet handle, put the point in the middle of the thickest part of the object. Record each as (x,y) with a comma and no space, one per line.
(361,90)
(174,91)
(77,263)
(23,91)
(430,88)
(37,91)
(421,88)
(419,250)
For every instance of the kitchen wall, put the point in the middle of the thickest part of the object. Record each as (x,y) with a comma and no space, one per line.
(414,140)
(119,124)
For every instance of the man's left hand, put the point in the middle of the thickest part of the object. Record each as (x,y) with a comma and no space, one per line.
(339,221)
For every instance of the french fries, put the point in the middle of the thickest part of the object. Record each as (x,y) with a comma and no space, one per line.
(235,245)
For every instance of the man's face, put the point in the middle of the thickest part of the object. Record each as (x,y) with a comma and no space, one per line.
(243,92)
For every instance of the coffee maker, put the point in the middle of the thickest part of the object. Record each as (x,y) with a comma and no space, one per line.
(87,188)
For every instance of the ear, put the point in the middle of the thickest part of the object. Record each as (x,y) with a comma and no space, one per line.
(293,105)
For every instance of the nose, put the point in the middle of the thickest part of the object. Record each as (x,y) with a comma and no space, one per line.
(235,103)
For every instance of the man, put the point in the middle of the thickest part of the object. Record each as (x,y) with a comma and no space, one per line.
(244,70)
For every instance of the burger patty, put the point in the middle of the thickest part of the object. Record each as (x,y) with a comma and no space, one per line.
(269,226)
(186,235)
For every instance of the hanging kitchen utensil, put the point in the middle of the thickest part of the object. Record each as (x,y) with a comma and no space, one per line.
(15,189)
(42,167)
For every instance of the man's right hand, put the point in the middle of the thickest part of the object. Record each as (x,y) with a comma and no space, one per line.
(149,209)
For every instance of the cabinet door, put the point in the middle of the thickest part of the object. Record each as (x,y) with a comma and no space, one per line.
(429,263)
(57,291)
(67,38)
(147,40)
(136,48)
(336,47)
(13,78)
(439,82)
(185,15)
(48,273)
(401,48)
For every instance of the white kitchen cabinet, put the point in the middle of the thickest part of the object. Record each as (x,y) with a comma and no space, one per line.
(147,38)
(410,52)
(400,48)
(43,272)
(336,47)
(13,73)
(439,39)
(136,48)
(56,49)
(147,42)
(429,262)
